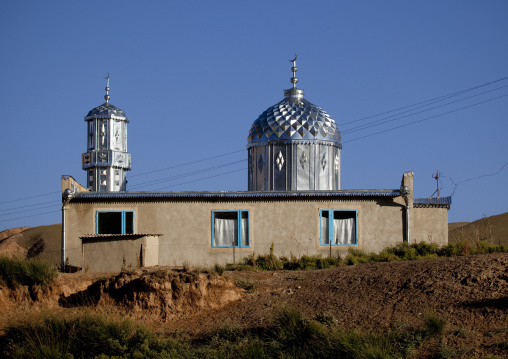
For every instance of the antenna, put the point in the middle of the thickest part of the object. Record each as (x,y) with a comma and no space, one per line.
(436,176)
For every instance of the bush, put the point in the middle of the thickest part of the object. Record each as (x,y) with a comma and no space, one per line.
(434,324)
(14,272)
(84,336)
(356,256)
(219,269)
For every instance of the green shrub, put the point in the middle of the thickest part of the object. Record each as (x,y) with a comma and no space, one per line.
(434,324)
(219,269)
(14,272)
(356,256)
(83,336)
(246,284)
(293,331)
(424,249)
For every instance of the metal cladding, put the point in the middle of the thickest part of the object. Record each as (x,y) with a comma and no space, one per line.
(106,110)
(240,195)
(107,160)
(440,202)
(294,145)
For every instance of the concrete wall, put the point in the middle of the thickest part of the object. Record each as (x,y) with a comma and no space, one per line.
(112,253)
(431,225)
(292,225)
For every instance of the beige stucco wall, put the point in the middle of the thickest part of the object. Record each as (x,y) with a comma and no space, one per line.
(430,225)
(293,226)
(111,254)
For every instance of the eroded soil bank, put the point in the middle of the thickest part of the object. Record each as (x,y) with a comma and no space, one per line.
(470,292)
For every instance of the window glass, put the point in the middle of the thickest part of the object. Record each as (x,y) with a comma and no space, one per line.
(226,229)
(245,229)
(115,222)
(109,223)
(230,228)
(338,227)
(325,239)
(129,222)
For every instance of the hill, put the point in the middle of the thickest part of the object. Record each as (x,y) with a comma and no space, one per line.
(493,229)
(43,242)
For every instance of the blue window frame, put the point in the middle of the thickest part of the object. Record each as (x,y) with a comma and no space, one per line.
(114,222)
(339,227)
(230,229)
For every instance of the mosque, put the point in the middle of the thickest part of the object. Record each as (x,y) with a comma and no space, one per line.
(294,200)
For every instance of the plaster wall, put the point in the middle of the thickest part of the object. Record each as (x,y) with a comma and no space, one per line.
(432,225)
(293,226)
(110,254)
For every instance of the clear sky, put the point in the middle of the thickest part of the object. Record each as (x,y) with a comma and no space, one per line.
(192,76)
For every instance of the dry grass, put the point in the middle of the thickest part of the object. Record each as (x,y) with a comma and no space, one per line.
(493,230)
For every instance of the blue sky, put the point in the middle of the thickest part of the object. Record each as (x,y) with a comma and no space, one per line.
(192,77)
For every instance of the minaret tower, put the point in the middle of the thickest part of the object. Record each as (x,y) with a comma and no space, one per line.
(106,161)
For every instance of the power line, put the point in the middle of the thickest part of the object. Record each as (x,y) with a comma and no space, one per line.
(201,179)
(32,215)
(167,179)
(28,210)
(436,99)
(425,119)
(361,127)
(29,205)
(34,196)
(381,122)
(455,185)
(187,163)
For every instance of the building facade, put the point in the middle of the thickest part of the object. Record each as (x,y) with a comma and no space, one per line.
(294,201)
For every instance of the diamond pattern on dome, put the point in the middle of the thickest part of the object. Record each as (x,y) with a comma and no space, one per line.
(292,120)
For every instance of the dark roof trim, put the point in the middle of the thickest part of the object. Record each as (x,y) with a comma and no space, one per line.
(432,202)
(232,195)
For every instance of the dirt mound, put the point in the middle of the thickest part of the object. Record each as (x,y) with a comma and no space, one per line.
(470,293)
(11,232)
(9,242)
(162,293)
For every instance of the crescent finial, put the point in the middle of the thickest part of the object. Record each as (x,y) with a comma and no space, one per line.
(294,58)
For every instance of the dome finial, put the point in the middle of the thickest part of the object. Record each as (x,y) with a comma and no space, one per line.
(106,97)
(294,80)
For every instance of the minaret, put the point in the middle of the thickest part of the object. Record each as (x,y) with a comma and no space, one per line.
(106,161)
(294,146)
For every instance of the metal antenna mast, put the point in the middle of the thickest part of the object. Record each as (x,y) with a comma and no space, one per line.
(436,176)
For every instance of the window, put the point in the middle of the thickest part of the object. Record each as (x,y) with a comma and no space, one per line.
(230,228)
(339,227)
(115,222)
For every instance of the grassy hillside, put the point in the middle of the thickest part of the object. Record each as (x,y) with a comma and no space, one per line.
(492,229)
(44,242)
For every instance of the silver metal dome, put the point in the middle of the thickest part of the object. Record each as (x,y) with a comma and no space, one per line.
(293,120)
(294,146)
(106,110)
